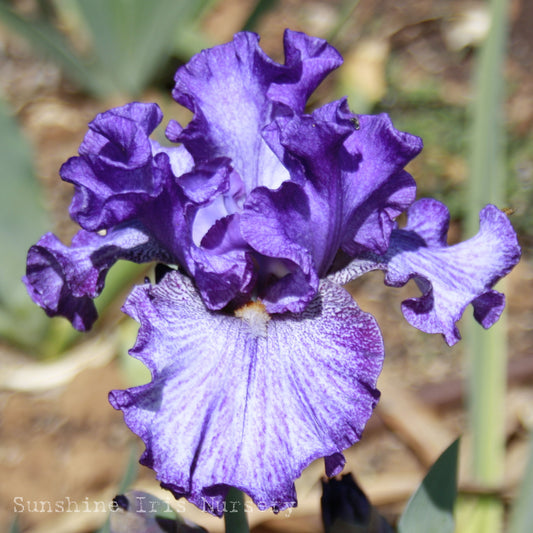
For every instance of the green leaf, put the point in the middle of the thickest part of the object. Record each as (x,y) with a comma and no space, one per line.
(430,509)
(131,472)
(23,219)
(50,42)
(133,38)
(487,350)
(14,528)
(522,512)
(129,476)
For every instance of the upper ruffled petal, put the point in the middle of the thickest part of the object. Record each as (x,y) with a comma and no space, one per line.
(232,90)
(308,60)
(247,401)
(114,176)
(347,187)
(376,189)
(450,277)
(64,280)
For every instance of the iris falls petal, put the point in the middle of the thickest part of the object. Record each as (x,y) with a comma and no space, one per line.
(248,400)
(64,280)
(449,277)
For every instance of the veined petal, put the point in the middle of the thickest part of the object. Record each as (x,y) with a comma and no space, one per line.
(63,280)
(232,90)
(247,401)
(450,277)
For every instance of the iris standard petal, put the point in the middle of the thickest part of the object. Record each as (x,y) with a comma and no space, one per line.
(232,90)
(114,176)
(250,400)
(376,188)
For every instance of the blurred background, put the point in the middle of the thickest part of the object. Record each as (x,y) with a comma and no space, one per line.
(63,61)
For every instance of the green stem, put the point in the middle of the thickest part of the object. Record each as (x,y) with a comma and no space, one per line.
(235,514)
(488,353)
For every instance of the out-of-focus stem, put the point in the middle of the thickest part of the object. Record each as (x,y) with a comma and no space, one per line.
(488,349)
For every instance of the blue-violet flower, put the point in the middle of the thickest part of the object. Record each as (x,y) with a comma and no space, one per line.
(261,362)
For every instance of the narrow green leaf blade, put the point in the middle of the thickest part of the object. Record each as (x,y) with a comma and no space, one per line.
(50,42)
(430,509)
(522,513)
(14,528)
(133,38)
(22,220)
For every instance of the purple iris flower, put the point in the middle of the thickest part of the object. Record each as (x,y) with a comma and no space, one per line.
(261,362)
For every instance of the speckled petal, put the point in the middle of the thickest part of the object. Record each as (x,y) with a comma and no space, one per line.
(63,280)
(247,401)
(449,277)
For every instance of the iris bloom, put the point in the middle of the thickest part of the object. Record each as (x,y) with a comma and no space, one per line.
(261,362)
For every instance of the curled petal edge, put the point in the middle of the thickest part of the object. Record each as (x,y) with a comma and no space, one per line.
(449,277)
(285,423)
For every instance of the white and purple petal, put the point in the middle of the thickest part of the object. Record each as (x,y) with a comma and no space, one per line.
(449,277)
(233,90)
(64,280)
(248,401)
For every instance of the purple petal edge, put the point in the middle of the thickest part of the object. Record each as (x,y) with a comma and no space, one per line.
(200,439)
(450,277)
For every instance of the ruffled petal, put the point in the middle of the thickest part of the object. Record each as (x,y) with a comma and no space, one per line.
(224,268)
(450,277)
(276,224)
(247,401)
(64,280)
(376,188)
(225,87)
(232,88)
(313,151)
(308,61)
(191,223)
(334,190)
(114,175)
